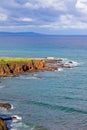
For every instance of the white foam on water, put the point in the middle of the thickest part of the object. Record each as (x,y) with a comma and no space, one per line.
(72,63)
(2,86)
(60,69)
(35,74)
(50,58)
(17,117)
(75,63)
(28,77)
(12,107)
(55,58)
(16,122)
(19,126)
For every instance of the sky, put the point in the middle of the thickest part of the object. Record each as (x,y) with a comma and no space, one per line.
(44,16)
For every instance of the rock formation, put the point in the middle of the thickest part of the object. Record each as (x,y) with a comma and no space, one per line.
(3,125)
(16,68)
(5,106)
(12,69)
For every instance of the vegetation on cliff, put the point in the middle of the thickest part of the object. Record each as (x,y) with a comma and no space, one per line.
(12,60)
(15,66)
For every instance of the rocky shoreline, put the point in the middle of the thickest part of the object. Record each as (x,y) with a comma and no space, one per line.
(16,68)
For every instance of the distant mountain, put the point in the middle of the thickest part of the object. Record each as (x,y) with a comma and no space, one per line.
(21,33)
(34,34)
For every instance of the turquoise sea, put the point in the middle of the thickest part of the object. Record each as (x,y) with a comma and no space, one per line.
(46,100)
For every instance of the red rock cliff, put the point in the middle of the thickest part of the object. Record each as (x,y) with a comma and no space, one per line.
(15,68)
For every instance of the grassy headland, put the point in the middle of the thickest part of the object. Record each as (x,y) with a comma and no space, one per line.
(15,66)
(5,60)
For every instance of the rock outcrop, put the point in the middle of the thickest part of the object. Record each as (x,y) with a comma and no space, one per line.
(16,68)
(3,122)
(5,106)
(3,125)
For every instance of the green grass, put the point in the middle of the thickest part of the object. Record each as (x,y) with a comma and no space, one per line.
(12,60)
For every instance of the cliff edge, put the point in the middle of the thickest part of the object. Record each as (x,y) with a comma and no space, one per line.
(15,66)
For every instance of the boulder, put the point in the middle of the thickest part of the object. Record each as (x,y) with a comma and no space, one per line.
(5,106)
(3,125)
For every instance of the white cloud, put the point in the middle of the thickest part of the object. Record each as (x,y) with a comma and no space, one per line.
(81,5)
(54,4)
(15,28)
(66,21)
(25,19)
(3,17)
(31,6)
(43,14)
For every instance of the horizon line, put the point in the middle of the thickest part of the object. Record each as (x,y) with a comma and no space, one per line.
(40,34)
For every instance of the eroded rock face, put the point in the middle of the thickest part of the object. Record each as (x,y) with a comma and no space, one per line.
(4,70)
(5,106)
(3,125)
(14,69)
(38,64)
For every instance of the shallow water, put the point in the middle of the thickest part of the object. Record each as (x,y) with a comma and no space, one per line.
(47,100)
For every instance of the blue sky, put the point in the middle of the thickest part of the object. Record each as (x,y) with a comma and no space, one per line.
(44,16)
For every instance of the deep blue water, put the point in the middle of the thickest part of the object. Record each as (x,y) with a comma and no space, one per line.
(52,100)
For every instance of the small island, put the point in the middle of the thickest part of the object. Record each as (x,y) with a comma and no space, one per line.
(17,66)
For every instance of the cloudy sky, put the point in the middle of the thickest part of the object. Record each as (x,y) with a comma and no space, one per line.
(45,16)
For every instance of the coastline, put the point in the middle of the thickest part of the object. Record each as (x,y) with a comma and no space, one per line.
(16,66)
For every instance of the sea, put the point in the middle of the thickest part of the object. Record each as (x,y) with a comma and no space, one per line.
(48,100)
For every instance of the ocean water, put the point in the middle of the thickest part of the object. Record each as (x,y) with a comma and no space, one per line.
(46,100)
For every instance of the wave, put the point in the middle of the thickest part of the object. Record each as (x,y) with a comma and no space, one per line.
(51,58)
(20,125)
(65,61)
(29,77)
(60,69)
(12,107)
(16,118)
(57,107)
(39,128)
(71,63)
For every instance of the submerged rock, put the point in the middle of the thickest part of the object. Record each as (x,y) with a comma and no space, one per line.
(5,106)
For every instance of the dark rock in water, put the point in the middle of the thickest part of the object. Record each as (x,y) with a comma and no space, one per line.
(6,121)
(70,62)
(3,125)
(67,66)
(5,105)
